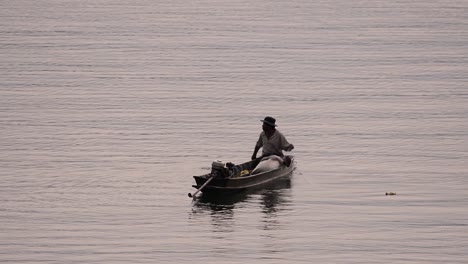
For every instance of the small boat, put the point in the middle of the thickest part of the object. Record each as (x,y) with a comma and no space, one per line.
(231,178)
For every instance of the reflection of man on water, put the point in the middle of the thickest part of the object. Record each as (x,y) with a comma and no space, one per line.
(272,141)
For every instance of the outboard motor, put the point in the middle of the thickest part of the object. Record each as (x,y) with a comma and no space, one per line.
(218,169)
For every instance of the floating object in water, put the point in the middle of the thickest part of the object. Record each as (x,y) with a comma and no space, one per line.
(390,193)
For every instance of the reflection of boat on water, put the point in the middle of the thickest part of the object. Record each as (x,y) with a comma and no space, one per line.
(226,179)
(222,207)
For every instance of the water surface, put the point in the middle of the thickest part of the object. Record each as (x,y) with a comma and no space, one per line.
(107,108)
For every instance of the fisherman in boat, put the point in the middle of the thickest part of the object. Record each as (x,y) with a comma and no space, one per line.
(271,166)
(272,142)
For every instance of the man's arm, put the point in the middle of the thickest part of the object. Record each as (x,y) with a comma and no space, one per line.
(286,146)
(254,155)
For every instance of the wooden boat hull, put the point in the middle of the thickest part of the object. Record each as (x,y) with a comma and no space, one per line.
(242,183)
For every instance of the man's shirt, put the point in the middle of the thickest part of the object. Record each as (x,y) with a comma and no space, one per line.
(275,145)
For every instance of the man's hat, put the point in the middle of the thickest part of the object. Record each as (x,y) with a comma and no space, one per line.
(269,121)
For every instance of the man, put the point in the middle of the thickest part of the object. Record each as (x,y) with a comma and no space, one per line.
(271,140)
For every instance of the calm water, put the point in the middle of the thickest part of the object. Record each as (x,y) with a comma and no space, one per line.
(108,108)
